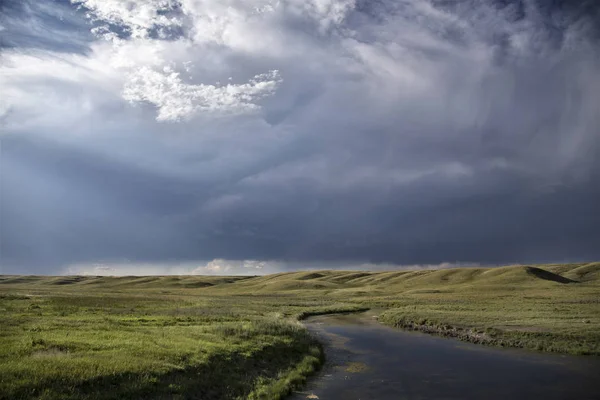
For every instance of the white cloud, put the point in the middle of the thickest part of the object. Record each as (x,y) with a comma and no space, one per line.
(126,268)
(149,64)
(147,61)
(216,267)
(238,267)
(137,16)
(175,99)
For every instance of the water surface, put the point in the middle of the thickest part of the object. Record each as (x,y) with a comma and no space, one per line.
(366,360)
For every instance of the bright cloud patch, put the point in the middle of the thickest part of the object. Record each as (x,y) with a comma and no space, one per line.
(149,72)
(194,24)
(136,17)
(175,99)
(235,267)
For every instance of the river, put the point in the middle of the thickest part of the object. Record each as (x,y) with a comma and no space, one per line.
(369,361)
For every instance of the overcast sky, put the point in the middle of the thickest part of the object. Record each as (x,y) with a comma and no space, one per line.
(226,136)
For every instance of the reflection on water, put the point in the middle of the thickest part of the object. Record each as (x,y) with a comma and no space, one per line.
(366,360)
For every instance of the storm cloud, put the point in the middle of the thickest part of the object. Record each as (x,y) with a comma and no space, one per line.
(267,135)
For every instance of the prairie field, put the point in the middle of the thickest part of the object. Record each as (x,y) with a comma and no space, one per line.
(98,337)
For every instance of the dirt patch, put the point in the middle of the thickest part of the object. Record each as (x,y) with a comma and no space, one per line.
(50,353)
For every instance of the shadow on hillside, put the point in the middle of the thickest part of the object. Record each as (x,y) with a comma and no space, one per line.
(547,275)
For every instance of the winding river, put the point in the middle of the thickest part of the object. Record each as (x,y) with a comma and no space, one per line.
(369,361)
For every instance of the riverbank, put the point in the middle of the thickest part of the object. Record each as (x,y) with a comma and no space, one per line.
(531,340)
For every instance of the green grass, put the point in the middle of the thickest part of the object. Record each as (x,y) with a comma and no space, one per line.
(239,337)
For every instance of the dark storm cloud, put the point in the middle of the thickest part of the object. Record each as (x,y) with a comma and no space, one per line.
(402,132)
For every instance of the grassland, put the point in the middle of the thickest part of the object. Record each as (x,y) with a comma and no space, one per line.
(239,337)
